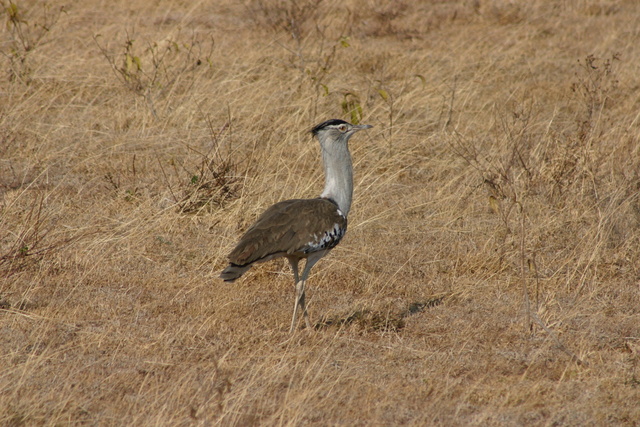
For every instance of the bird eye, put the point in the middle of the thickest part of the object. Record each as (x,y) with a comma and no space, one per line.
(342,128)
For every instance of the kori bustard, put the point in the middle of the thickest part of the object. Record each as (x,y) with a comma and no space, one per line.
(303,228)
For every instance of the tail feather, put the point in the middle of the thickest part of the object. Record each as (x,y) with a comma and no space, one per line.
(233,271)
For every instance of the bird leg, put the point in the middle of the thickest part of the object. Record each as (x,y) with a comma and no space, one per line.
(300,297)
(293,261)
(294,266)
(300,302)
(304,308)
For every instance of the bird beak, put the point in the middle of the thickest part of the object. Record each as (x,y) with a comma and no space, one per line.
(360,127)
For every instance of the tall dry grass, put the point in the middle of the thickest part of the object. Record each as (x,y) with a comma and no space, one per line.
(489,275)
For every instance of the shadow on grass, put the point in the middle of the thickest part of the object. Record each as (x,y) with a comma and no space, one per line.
(380,320)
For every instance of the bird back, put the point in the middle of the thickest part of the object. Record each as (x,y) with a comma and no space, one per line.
(292,227)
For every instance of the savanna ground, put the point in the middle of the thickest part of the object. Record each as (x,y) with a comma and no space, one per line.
(490,272)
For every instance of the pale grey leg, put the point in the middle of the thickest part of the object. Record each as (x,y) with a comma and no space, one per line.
(300,295)
(299,302)
(293,261)
(294,266)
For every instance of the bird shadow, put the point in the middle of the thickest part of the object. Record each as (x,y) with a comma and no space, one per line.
(379,320)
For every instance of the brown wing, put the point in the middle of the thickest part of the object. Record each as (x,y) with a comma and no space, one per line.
(298,226)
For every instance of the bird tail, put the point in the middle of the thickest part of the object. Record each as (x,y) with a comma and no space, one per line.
(234,271)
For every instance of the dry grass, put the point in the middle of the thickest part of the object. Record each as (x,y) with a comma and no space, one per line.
(138,139)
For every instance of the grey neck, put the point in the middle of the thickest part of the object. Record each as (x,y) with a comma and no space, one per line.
(338,172)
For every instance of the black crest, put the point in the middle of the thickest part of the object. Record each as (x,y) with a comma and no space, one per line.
(330,122)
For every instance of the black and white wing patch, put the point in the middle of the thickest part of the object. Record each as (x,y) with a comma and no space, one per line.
(327,240)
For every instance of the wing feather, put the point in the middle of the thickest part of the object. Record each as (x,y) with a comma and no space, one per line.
(298,226)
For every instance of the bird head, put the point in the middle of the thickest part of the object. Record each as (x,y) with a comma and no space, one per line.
(336,130)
